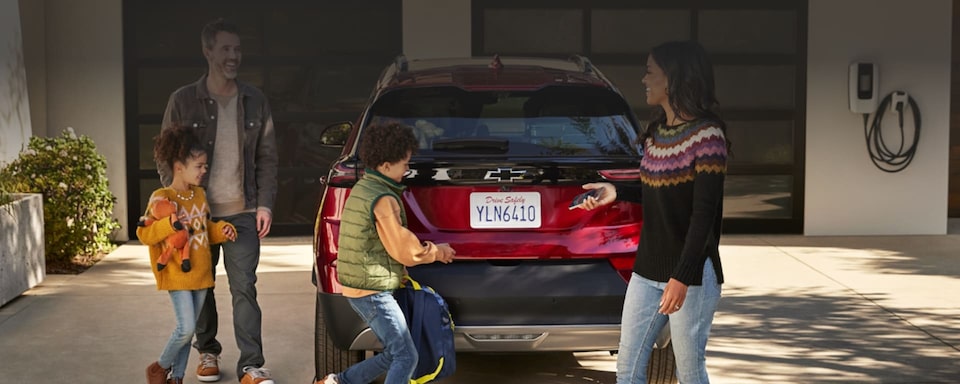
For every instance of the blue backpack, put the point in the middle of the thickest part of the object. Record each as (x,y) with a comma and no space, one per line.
(431,326)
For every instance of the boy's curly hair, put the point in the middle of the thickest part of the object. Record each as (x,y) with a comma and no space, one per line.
(388,142)
(174,144)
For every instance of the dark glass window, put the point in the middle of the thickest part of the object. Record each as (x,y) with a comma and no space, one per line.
(315,61)
(568,121)
(759,53)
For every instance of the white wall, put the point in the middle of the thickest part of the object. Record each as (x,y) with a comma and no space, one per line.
(910,42)
(84,65)
(436,28)
(15,129)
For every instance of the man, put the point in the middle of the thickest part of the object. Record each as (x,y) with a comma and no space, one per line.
(234,123)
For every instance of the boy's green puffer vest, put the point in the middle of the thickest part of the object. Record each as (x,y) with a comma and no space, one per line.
(363,262)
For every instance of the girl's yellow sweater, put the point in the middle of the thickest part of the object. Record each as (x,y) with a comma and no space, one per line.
(191,206)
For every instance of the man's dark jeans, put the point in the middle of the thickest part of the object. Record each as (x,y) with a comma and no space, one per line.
(240,259)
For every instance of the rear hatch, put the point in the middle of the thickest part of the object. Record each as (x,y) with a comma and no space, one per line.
(494,175)
(518,210)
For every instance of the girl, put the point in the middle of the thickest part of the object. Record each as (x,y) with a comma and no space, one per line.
(180,150)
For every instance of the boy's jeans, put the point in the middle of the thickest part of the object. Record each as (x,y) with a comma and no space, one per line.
(186,307)
(399,357)
(689,328)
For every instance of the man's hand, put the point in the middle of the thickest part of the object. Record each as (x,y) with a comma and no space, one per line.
(264,219)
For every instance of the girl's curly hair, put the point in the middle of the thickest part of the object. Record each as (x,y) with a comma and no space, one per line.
(174,144)
(389,142)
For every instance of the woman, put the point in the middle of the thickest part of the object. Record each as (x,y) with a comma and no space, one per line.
(677,273)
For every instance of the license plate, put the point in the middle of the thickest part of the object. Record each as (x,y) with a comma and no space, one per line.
(505,210)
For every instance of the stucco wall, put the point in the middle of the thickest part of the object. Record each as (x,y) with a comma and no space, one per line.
(910,42)
(84,66)
(15,129)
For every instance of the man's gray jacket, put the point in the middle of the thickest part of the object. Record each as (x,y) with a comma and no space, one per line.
(191,106)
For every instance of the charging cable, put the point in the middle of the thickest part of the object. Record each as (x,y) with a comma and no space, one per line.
(882,156)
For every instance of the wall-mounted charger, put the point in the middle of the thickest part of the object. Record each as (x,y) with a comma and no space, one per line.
(863,88)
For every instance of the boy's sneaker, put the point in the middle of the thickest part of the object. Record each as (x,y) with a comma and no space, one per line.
(329,379)
(253,375)
(209,368)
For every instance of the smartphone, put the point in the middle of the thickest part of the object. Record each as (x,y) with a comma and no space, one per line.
(579,199)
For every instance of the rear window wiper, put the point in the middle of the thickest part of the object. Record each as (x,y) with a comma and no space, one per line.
(472,145)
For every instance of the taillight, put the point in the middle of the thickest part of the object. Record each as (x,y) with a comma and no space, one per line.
(620,174)
(344,175)
(624,266)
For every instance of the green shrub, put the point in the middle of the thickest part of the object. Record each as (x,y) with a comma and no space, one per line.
(4,195)
(77,203)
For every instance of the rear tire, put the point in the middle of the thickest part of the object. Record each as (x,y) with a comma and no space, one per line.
(663,366)
(328,358)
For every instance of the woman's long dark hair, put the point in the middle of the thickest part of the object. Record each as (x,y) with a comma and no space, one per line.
(691,90)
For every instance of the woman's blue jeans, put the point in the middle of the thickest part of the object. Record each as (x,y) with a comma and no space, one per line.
(186,307)
(689,328)
(399,357)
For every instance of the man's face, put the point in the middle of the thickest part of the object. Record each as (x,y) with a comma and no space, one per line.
(224,57)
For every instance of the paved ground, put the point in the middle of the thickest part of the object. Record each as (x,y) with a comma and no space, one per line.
(795,310)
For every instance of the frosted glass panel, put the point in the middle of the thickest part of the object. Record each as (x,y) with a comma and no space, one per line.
(533,31)
(636,31)
(756,86)
(749,31)
(761,197)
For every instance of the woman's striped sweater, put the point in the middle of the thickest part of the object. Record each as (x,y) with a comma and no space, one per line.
(682,174)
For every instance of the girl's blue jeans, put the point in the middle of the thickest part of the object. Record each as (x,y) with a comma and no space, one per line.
(399,357)
(689,328)
(186,307)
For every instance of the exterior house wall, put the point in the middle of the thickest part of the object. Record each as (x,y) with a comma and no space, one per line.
(15,128)
(910,42)
(83,62)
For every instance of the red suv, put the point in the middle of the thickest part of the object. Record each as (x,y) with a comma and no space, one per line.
(504,147)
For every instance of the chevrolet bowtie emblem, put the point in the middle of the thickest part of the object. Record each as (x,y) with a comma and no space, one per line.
(504,174)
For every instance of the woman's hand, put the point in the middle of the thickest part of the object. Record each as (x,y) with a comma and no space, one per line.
(673,297)
(607,194)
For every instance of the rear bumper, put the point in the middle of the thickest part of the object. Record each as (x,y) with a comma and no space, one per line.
(520,339)
(531,305)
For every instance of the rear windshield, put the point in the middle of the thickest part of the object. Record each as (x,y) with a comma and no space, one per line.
(554,121)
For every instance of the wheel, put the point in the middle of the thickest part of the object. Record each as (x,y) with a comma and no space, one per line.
(327,357)
(663,366)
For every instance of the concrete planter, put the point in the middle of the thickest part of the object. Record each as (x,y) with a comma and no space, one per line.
(22,262)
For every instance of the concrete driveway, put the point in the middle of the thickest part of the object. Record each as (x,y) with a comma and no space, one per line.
(795,310)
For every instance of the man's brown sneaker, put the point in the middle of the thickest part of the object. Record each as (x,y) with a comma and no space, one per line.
(209,368)
(252,375)
(156,374)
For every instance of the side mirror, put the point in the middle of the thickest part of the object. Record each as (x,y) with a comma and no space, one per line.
(336,134)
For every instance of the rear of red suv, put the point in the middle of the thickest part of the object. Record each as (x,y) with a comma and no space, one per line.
(504,146)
